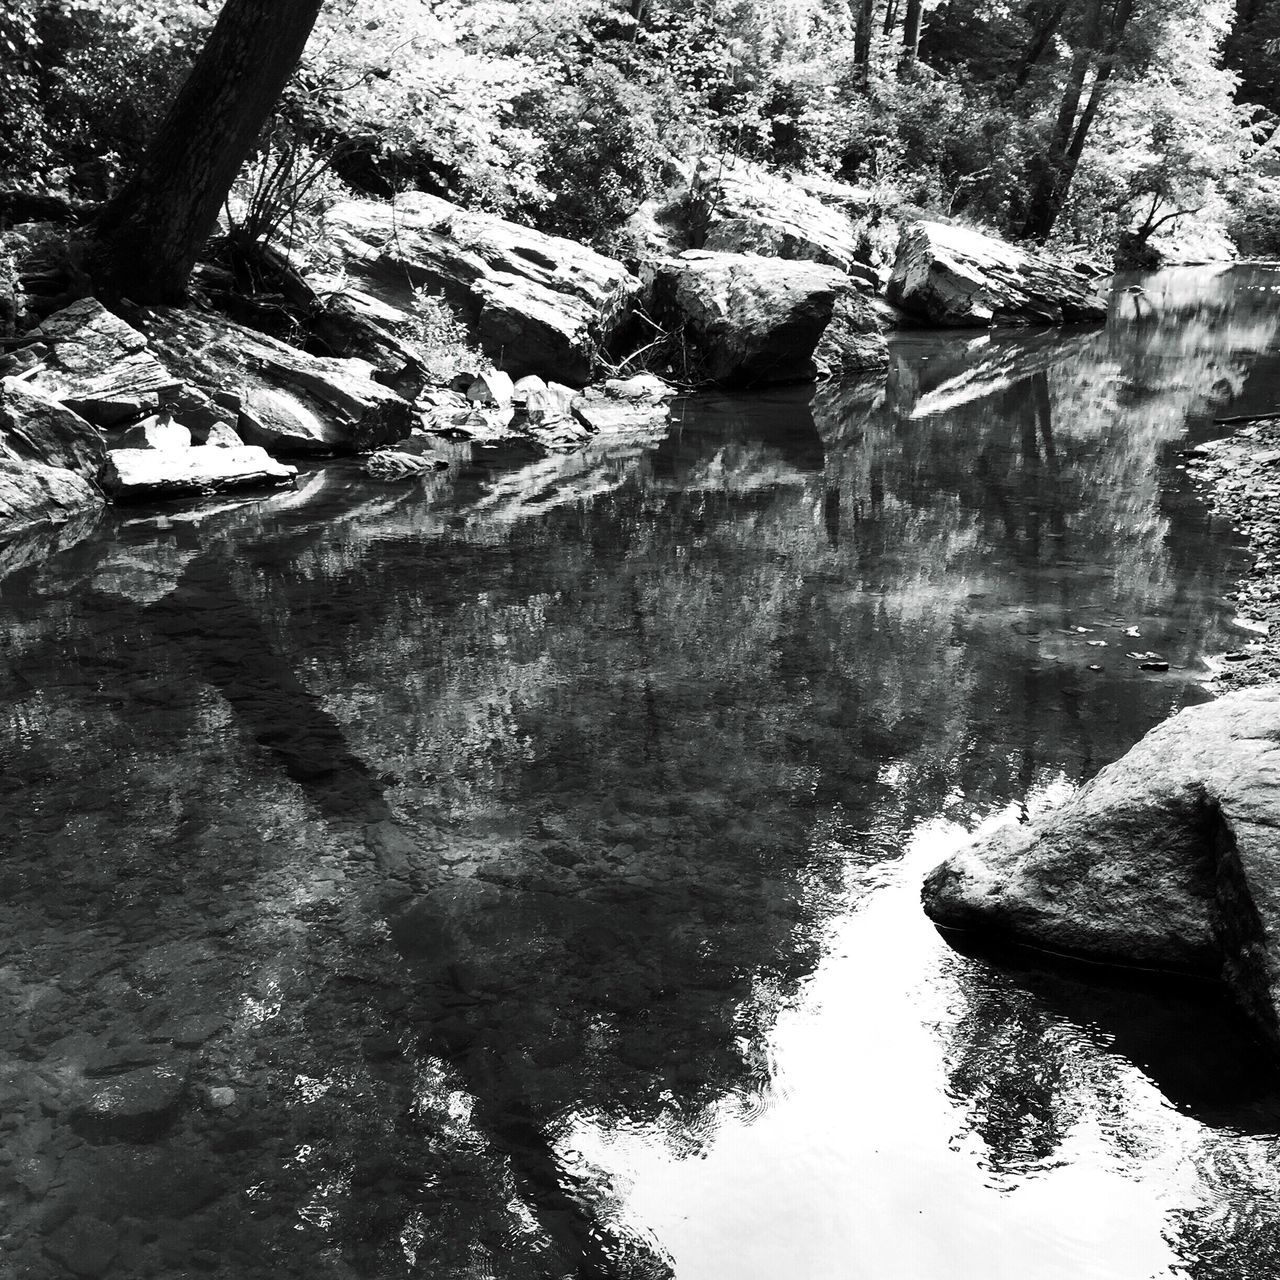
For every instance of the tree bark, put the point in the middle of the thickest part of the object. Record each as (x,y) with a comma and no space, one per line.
(862,43)
(148,237)
(911,30)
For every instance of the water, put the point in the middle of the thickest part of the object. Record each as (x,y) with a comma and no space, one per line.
(516,874)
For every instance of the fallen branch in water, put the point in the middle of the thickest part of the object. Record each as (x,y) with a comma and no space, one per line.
(1246,417)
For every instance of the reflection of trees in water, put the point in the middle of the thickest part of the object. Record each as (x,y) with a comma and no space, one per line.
(643,748)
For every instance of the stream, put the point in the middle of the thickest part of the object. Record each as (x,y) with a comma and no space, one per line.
(514,874)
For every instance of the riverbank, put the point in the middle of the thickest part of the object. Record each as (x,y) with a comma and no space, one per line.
(1240,477)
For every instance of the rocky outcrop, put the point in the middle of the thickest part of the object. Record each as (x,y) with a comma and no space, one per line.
(955,276)
(757,321)
(285,399)
(50,460)
(536,303)
(1168,859)
(742,208)
(100,366)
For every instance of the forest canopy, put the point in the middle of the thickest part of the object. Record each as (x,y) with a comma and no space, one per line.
(1083,121)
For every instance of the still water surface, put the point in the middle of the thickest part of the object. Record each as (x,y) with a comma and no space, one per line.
(516,875)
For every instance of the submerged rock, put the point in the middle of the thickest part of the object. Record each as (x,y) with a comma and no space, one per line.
(136,1106)
(1167,859)
(956,276)
(758,321)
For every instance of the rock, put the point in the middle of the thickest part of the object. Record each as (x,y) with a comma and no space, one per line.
(99,365)
(136,1106)
(223,437)
(493,387)
(552,403)
(35,427)
(33,494)
(529,385)
(536,303)
(642,386)
(86,1246)
(853,341)
(220,1097)
(746,209)
(1167,859)
(160,432)
(755,321)
(138,473)
(604,414)
(295,401)
(284,424)
(956,276)
(393,464)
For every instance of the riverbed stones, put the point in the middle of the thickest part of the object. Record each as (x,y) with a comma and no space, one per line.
(756,321)
(956,276)
(135,1106)
(85,1245)
(1167,859)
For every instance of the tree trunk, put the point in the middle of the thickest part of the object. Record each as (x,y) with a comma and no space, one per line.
(149,236)
(862,43)
(911,30)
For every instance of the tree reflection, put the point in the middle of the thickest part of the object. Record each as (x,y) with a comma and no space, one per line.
(478,814)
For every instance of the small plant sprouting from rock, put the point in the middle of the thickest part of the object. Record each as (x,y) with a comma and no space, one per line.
(435,327)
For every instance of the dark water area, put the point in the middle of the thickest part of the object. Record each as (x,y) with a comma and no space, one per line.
(515,874)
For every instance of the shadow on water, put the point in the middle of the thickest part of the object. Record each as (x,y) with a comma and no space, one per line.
(461,811)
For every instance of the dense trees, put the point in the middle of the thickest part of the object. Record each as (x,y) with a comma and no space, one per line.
(1077,119)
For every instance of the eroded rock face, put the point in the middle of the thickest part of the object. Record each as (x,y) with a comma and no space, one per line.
(1169,858)
(956,276)
(32,493)
(537,303)
(758,321)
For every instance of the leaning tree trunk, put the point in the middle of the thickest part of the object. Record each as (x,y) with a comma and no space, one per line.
(148,237)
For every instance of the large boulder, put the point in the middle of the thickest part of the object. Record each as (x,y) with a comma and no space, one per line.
(742,208)
(955,276)
(33,494)
(289,401)
(100,366)
(36,427)
(1167,859)
(536,303)
(50,460)
(757,321)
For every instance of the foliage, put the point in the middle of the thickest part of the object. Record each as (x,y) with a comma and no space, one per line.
(441,336)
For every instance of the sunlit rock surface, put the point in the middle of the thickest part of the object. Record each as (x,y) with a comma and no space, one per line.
(138,473)
(746,209)
(1169,858)
(959,276)
(758,321)
(293,401)
(538,303)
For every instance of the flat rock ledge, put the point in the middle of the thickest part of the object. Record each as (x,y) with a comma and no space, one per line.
(1168,859)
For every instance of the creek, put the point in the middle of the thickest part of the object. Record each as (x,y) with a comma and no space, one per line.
(515,873)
